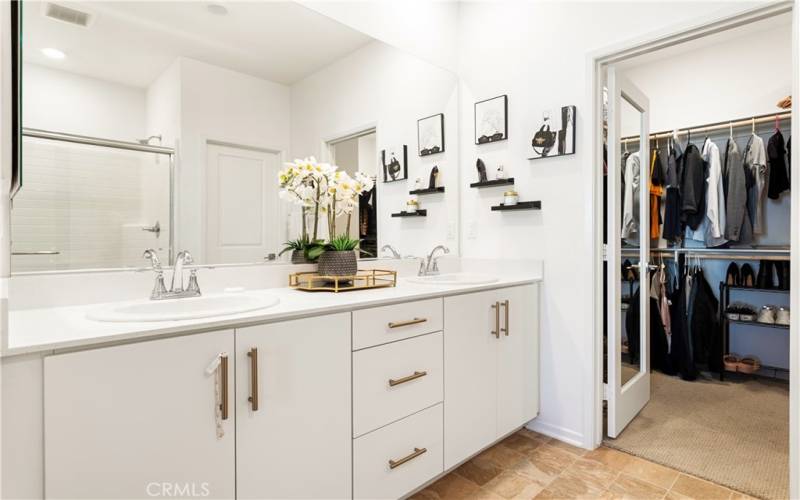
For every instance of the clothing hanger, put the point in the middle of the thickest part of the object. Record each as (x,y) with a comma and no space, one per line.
(730,127)
(754,125)
(777,123)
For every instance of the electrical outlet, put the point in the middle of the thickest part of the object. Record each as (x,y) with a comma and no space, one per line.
(451,231)
(472,230)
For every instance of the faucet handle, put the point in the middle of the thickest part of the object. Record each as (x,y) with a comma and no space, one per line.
(193,286)
(159,289)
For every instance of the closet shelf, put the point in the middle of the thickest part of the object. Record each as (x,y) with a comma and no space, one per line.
(522,205)
(418,213)
(496,182)
(753,289)
(756,323)
(435,190)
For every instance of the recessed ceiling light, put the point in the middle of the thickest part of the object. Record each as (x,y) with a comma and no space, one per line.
(217,8)
(53,53)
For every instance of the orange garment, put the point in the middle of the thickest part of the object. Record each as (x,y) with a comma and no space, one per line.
(656,193)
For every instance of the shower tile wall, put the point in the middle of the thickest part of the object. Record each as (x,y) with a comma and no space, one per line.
(90,204)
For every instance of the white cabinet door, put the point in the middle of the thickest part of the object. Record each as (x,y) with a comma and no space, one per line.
(518,358)
(297,443)
(138,420)
(470,364)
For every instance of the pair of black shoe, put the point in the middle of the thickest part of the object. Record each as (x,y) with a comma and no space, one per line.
(744,277)
(768,270)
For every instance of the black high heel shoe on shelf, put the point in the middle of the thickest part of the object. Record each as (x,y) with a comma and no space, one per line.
(733,277)
(748,278)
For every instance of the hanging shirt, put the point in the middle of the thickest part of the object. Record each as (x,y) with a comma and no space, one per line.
(630,205)
(715,197)
(656,193)
(738,225)
(755,159)
(778,173)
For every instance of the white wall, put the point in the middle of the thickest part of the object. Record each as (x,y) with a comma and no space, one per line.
(735,78)
(389,89)
(426,29)
(502,53)
(65,102)
(221,105)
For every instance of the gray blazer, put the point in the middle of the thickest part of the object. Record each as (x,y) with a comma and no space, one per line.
(738,227)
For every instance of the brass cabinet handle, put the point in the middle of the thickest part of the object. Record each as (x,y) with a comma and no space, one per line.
(496,331)
(224,382)
(505,304)
(398,324)
(397,463)
(253,355)
(393,382)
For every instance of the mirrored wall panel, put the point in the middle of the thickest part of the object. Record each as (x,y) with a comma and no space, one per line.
(176,126)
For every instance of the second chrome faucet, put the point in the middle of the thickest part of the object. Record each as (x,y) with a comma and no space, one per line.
(160,291)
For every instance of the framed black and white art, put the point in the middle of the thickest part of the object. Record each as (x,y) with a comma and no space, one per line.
(430,135)
(555,134)
(491,120)
(395,163)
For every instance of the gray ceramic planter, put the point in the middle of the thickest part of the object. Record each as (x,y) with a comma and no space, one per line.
(333,263)
(299,257)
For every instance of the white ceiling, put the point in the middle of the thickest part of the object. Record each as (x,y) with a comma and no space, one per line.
(132,42)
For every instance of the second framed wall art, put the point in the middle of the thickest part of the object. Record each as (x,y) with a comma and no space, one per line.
(491,120)
(430,135)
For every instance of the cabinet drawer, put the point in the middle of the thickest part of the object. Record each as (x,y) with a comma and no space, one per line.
(394,460)
(395,380)
(380,325)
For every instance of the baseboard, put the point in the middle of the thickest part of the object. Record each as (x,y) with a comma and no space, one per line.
(556,432)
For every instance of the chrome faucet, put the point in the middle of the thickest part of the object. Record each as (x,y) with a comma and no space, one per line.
(160,291)
(395,253)
(430,266)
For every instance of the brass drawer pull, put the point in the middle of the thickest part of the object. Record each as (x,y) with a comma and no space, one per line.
(505,304)
(398,324)
(253,355)
(496,331)
(393,382)
(412,456)
(224,383)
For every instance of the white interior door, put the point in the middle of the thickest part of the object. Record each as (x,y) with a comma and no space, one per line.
(628,388)
(244,219)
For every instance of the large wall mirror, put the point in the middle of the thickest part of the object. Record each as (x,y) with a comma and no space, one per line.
(165,125)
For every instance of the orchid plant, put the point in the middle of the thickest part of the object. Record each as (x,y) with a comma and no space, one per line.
(321,189)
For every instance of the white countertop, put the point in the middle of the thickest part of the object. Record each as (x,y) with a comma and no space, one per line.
(47,329)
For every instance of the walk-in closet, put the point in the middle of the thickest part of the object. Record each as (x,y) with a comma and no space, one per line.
(696,225)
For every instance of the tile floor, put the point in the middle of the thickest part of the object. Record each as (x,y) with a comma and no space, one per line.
(530,465)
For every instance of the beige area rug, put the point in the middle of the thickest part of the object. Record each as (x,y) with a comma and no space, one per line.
(735,433)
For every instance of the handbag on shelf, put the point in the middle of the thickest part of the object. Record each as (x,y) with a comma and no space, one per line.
(543,140)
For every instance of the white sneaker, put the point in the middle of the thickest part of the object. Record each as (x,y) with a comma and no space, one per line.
(767,315)
(782,316)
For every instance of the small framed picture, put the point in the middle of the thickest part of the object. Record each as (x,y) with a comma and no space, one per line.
(430,135)
(491,120)
(555,135)
(395,163)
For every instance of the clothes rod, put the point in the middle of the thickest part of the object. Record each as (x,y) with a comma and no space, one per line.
(718,253)
(708,127)
(96,141)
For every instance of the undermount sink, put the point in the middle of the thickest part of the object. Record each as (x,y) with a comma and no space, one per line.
(179,309)
(455,279)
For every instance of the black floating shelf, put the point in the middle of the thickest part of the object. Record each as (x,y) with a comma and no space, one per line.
(756,323)
(418,213)
(496,182)
(435,190)
(522,205)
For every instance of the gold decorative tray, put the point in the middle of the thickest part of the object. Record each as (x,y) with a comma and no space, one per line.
(312,281)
